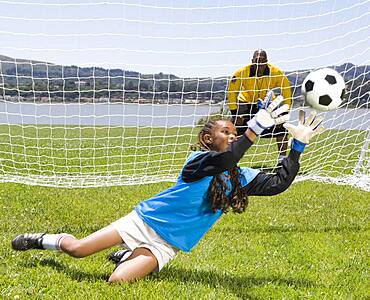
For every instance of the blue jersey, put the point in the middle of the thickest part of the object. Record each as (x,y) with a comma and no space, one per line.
(181,214)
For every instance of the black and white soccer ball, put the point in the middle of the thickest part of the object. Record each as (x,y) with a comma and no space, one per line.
(323,89)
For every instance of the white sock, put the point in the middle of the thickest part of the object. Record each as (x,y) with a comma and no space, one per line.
(52,241)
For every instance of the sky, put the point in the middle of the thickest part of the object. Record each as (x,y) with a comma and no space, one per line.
(186,38)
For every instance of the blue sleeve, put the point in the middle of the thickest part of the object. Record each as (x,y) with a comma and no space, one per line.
(248,174)
(298,146)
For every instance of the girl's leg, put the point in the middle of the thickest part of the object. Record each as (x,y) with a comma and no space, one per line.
(95,242)
(141,263)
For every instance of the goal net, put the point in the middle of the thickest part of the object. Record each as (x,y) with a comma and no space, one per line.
(114,93)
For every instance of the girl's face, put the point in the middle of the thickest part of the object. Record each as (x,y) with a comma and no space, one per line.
(224,133)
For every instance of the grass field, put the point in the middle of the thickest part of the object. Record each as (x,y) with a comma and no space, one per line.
(310,242)
(79,153)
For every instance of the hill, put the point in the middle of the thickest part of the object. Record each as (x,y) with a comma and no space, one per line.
(36,80)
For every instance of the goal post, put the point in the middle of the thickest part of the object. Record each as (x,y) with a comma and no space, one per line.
(114,93)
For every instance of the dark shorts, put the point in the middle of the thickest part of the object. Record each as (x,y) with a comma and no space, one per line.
(247,112)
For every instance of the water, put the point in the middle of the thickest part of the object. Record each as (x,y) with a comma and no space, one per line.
(118,114)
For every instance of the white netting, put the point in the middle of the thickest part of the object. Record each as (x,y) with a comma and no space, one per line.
(109,93)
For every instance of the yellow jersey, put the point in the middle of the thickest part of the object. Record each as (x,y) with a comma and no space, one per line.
(244,86)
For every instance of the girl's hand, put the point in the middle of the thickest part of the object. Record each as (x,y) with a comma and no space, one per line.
(269,115)
(305,130)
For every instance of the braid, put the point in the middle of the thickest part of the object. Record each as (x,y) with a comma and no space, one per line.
(238,199)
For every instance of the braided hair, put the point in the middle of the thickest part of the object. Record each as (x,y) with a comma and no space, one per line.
(237,201)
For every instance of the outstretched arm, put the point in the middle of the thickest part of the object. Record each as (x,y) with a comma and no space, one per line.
(271,184)
(211,163)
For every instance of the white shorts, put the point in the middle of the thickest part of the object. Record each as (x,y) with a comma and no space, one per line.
(135,233)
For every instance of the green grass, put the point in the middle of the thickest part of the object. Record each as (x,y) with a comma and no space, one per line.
(310,242)
(156,152)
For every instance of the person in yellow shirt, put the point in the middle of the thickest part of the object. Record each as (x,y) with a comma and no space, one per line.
(250,83)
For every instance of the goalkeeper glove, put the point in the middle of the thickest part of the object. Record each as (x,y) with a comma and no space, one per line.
(269,114)
(305,130)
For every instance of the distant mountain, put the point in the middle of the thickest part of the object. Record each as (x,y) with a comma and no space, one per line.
(30,79)
(39,69)
(4,58)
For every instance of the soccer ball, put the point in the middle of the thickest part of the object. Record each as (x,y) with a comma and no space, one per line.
(323,89)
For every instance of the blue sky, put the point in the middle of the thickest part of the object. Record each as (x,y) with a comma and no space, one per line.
(186,38)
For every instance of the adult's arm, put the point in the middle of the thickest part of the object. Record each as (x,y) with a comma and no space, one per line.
(283,83)
(233,89)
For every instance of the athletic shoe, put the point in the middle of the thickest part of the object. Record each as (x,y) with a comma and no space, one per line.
(28,241)
(119,256)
